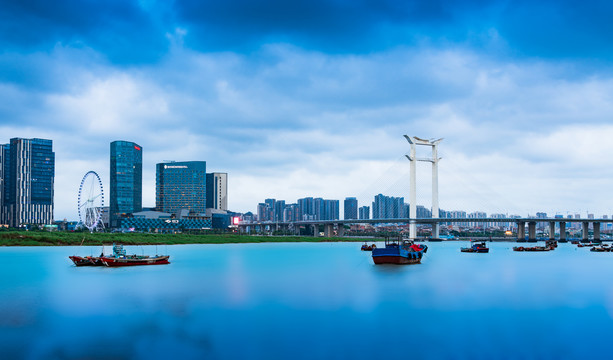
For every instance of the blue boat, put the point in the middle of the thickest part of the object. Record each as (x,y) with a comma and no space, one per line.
(399,252)
(477,247)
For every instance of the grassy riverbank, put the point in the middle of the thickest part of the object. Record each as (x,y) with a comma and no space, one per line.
(36,238)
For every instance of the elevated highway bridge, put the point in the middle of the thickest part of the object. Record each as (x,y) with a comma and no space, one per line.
(329,225)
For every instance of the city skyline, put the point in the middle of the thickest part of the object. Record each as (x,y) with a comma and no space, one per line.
(310,98)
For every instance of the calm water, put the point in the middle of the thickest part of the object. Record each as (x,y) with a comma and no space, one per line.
(307,301)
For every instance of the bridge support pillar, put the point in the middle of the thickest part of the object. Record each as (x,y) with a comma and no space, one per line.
(562,232)
(412,229)
(436,230)
(315,230)
(328,230)
(552,230)
(341,230)
(532,231)
(521,231)
(586,234)
(596,226)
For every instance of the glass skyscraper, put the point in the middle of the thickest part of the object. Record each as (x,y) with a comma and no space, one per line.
(181,185)
(126,195)
(26,180)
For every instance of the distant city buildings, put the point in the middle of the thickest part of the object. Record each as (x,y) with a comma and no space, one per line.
(126,195)
(305,209)
(181,185)
(389,207)
(27,174)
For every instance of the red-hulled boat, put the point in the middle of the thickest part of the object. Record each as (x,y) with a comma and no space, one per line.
(86,261)
(120,258)
(367,247)
(399,252)
(132,260)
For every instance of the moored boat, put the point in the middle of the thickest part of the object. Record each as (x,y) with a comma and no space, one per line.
(85,260)
(603,248)
(399,252)
(477,247)
(132,260)
(367,247)
(120,258)
(533,248)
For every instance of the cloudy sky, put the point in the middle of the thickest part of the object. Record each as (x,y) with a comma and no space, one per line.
(311,98)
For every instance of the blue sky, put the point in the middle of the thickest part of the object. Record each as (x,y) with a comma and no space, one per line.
(311,98)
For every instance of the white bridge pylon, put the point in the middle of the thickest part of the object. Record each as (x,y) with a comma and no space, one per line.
(413,159)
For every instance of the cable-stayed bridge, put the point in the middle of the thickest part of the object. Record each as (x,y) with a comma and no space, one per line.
(337,226)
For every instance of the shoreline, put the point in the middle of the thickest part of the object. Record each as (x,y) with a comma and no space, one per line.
(41,238)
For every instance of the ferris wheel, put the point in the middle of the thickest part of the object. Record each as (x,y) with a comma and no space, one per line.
(91,201)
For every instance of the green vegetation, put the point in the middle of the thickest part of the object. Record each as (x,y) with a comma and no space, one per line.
(43,238)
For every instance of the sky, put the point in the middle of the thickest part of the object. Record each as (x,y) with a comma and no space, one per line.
(312,98)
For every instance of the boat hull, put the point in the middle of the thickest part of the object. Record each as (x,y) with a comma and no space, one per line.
(85,261)
(469,250)
(397,255)
(397,260)
(127,261)
(534,248)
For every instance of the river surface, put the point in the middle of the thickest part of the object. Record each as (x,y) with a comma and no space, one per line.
(307,301)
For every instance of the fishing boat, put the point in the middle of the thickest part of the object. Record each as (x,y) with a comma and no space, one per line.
(603,248)
(120,258)
(533,248)
(476,247)
(551,244)
(367,247)
(399,252)
(86,260)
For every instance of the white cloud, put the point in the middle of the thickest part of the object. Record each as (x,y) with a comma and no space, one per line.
(520,137)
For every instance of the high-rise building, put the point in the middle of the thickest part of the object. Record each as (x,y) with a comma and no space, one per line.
(26,180)
(279,209)
(306,207)
(126,195)
(330,210)
(291,212)
(181,185)
(351,208)
(262,212)
(3,156)
(217,191)
(364,213)
(388,207)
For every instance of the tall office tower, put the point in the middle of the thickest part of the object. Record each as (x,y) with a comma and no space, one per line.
(351,208)
(126,195)
(181,185)
(27,176)
(217,191)
(3,221)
